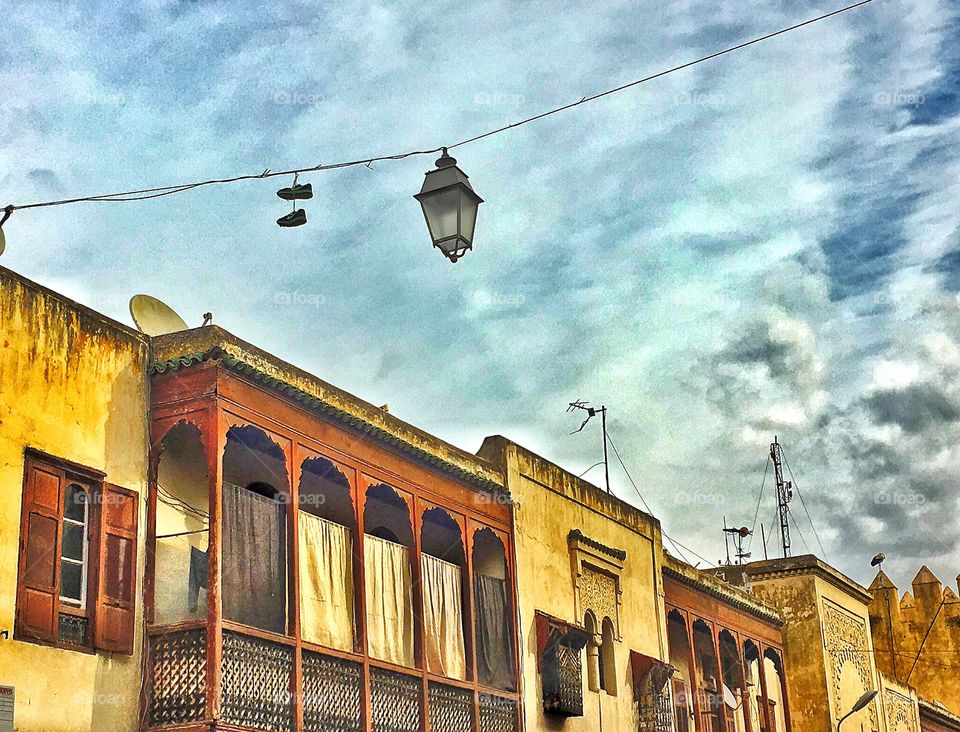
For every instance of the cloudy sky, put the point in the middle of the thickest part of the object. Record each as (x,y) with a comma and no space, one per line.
(764,244)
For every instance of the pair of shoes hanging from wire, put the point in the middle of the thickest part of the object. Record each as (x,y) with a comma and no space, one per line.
(296,192)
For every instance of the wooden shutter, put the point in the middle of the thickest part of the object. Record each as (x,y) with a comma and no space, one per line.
(117,570)
(38,596)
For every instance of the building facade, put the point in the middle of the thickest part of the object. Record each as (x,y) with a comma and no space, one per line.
(73,471)
(917,636)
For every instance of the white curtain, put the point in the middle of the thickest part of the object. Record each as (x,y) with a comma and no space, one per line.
(326,582)
(389,601)
(442,618)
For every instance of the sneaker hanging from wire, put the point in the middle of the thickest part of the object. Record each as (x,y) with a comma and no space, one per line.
(296,192)
(297,218)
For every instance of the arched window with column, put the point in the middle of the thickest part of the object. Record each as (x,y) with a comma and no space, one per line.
(326,524)
(731,670)
(776,690)
(387,547)
(182,516)
(708,677)
(754,684)
(493,611)
(683,680)
(443,566)
(254,554)
(608,658)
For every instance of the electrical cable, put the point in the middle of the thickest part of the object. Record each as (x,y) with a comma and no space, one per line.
(766,467)
(156,192)
(804,504)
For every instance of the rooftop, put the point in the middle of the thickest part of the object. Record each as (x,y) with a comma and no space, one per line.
(806,564)
(189,347)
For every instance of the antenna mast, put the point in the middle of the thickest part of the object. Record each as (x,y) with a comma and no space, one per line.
(592,412)
(784,494)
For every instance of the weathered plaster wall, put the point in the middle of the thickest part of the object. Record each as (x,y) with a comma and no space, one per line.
(930,611)
(72,384)
(827,643)
(795,597)
(549,503)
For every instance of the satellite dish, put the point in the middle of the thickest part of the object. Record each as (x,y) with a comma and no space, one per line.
(3,241)
(154,317)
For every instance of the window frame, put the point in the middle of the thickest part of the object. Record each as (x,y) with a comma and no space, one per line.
(91,481)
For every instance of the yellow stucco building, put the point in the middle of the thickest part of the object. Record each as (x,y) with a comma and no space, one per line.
(917,636)
(72,403)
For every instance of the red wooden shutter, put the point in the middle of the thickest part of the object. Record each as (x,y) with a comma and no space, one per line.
(117,570)
(38,597)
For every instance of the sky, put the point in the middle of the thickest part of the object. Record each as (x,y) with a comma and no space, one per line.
(765,244)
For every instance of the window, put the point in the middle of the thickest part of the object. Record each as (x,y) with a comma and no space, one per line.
(77,573)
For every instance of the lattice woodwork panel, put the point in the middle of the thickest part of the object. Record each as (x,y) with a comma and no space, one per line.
(563,682)
(331,694)
(451,709)
(655,710)
(255,683)
(177,683)
(394,702)
(498,714)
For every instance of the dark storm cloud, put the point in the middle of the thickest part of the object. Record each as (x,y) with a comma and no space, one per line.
(914,408)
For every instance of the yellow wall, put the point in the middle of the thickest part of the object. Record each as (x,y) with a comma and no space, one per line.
(827,643)
(549,503)
(925,624)
(72,384)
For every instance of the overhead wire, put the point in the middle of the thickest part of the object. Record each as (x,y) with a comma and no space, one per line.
(804,504)
(676,544)
(159,191)
(766,467)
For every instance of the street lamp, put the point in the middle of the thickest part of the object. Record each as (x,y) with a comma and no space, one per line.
(450,207)
(868,696)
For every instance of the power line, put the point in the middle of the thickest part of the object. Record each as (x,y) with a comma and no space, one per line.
(766,467)
(676,544)
(804,504)
(156,192)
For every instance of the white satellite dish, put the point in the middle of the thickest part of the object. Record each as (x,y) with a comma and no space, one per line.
(154,317)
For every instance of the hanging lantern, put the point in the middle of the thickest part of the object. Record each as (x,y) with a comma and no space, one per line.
(450,207)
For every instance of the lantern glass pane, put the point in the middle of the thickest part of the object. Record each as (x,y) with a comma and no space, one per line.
(440,210)
(468,216)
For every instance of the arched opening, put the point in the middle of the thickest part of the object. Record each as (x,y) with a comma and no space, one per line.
(754,689)
(773,671)
(493,611)
(180,563)
(708,677)
(731,670)
(387,544)
(325,526)
(608,660)
(442,566)
(593,652)
(254,551)
(679,648)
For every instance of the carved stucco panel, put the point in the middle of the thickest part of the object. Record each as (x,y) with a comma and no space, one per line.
(845,637)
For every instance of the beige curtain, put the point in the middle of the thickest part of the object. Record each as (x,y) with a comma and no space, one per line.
(442,618)
(326,582)
(389,601)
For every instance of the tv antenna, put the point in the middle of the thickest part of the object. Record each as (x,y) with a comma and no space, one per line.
(738,535)
(784,494)
(591,413)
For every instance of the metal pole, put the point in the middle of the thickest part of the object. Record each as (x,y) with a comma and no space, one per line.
(606,464)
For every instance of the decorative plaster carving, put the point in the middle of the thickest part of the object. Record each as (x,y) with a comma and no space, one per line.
(597,570)
(900,710)
(845,637)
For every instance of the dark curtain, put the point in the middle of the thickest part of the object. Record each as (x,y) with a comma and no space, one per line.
(495,651)
(254,560)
